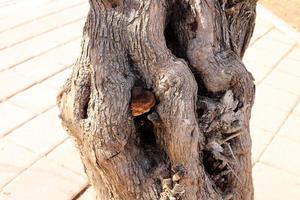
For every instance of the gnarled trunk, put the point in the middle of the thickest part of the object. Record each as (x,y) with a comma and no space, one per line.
(195,142)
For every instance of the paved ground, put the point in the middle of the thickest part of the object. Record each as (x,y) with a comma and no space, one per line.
(38,160)
(288,10)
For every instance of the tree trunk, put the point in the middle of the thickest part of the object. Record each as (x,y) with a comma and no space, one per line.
(194,143)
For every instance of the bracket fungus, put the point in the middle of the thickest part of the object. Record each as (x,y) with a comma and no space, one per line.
(141,101)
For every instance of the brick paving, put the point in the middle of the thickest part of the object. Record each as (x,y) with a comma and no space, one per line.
(38,160)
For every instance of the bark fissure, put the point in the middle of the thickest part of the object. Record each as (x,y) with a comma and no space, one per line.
(194,143)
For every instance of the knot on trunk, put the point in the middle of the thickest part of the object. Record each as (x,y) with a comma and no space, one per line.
(111,3)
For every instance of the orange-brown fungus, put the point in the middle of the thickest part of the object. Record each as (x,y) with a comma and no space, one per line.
(141,101)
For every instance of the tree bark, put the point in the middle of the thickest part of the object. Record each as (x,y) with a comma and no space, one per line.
(195,142)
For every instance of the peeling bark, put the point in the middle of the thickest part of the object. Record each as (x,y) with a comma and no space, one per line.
(195,142)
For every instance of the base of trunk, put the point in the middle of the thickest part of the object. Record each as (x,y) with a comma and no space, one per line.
(184,134)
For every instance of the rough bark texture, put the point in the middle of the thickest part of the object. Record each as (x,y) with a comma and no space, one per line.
(195,142)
